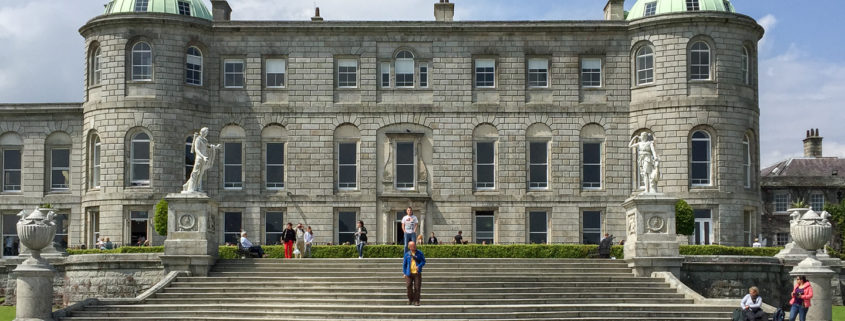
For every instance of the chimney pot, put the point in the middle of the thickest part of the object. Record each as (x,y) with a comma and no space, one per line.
(316,16)
(813,144)
(444,11)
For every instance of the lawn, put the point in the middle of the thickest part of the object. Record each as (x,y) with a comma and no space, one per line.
(7,313)
(839,313)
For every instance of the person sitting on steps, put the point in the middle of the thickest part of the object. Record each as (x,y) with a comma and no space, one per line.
(752,305)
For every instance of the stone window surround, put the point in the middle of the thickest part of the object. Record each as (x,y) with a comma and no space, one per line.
(337,60)
(335,220)
(391,71)
(528,59)
(635,81)
(548,211)
(420,170)
(602,79)
(264,61)
(496,72)
(128,159)
(95,64)
(130,66)
(712,55)
(495,211)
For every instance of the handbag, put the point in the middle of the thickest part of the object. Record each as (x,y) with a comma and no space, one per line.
(296,251)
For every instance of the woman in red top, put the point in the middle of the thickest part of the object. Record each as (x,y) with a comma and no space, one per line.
(801,295)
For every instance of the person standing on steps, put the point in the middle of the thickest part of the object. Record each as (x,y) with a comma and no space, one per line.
(288,237)
(410,225)
(309,238)
(801,295)
(412,266)
(300,241)
(360,238)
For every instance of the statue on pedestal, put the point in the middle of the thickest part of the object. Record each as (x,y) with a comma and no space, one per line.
(647,161)
(204,159)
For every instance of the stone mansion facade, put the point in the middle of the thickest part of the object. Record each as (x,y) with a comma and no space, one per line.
(512,131)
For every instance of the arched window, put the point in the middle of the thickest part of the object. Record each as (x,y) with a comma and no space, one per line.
(700,61)
(347,139)
(592,150)
(96,67)
(94,171)
(645,65)
(139,160)
(58,147)
(538,137)
(700,159)
(11,147)
(193,67)
(274,138)
(745,66)
(746,164)
(142,61)
(485,137)
(404,69)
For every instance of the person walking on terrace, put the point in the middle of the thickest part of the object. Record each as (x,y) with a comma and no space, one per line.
(247,245)
(410,225)
(360,238)
(752,305)
(300,241)
(288,237)
(802,293)
(412,266)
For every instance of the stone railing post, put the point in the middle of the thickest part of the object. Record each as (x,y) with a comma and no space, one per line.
(35,275)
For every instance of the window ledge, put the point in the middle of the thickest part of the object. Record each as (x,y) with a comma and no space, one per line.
(485,88)
(547,88)
(601,88)
(484,192)
(643,86)
(347,88)
(406,89)
(11,193)
(95,86)
(706,188)
(539,191)
(702,81)
(140,81)
(233,88)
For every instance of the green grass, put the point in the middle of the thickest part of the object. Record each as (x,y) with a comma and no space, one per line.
(839,313)
(7,313)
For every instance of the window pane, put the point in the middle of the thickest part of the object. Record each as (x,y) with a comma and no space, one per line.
(9,224)
(275,176)
(141,172)
(233,153)
(12,181)
(486,153)
(347,153)
(484,225)
(538,152)
(405,174)
(592,153)
(591,227)
(61,158)
(59,179)
(700,150)
(537,222)
(346,227)
(232,227)
(485,175)
(700,171)
(592,176)
(274,222)
(140,150)
(12,159)
(404,153)
(538,174)
(233,175)
(592,219)
(275,153)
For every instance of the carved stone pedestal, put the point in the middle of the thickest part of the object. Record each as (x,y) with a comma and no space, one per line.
(34,292)
(651,244)
(191,243)
(819,275)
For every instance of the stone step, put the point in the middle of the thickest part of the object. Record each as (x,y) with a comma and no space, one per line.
(400,293)
(399,283)
(191,318)
(519,261)
(402,300)
(657,288)
(397,277)
(428,269)
(426,274)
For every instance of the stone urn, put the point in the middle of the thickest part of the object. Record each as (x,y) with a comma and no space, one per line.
(810,230)
(36,231)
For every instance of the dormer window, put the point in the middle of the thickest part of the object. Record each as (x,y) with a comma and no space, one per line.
(692,5)
(141,5)
(184,8)
(650,9)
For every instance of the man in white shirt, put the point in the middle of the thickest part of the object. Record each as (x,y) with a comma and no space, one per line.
(756,243)
(410,225)
(247,245)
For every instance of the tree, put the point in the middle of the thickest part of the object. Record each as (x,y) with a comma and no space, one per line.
(161,218)
(837,212)
(684,218)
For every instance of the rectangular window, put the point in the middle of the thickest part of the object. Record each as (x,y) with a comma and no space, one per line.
(233,73)
(405,165)
(98,68)
(139,227)
(591,227)
(781,202)
(538,227)
(141,5)
(275,162)
(142,62)
(273,227)
(140,161)
(404,73)
(184,8)
(233,166)
(746,166)
(692,5)
(485,165)
(59,169)
(346,227)
(95,164)
(347,73)
(650,9)
(385,75)
(11,170)
(591,72)
(189,158)
(484,226)
(703,227)
(538,72)
(782,239)
(232,227)
(347,166)
(93,227)
(700,165)
(193,67)
(592,166)
(817,202)
(485,73)
(747,219)
(538,165)
(423,75)
(11,242)
(275,73)
(60,240)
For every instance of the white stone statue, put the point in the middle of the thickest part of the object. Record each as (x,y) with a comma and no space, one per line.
(647,160)
(204,159)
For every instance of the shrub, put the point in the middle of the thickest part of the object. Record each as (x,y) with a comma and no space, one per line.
(728,250)
(443,251)
(161,218)
(123,249)
(684,218)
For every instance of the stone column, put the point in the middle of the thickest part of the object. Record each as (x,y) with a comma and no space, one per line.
(191,243)
(821,305)
(811,231)
(651,243)
(35,275)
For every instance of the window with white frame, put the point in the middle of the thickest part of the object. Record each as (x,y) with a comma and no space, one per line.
(700,61)
(692,5)
(233,73)
(485,73)
(190,157)
(233,165)
(405,165)
(95,162)
(591,227)
(703,224)
(538,227)
(404,69)
(781,201)
(591,165)
(591,72)
(746,164)
(538,72)
(485,224)
(650,9)
(193,66)
(700,159)
(139,160)
(347,166)
(538,165)
(59,169)
(275,162)
(141,5)
(232,227)
(93,226)
(142,62)
(11,242)
(745,64)
(11,169)
(184,8)
(96,67)
(346,226)
(485,165)
(817,201)
(385,75)
(275,73)
(645,65)
(424,75)
(274,226)
(347,73)
(782,239)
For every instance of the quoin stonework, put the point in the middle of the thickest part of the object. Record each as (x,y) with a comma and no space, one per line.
(512,131)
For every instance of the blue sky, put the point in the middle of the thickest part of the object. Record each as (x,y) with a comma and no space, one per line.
(802,57)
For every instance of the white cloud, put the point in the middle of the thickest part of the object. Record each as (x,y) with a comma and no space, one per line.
(768,22)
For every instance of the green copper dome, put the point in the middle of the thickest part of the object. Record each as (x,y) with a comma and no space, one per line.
(193,8)
(644,8)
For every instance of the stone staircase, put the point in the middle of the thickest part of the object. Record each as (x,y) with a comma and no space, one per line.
(452,289)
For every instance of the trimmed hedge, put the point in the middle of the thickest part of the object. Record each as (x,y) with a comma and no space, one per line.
(124,249)
(728,250)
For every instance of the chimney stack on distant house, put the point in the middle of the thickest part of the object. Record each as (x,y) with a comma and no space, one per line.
(813,144)
(444,11)
(220,10)
(614,10)
(316,17)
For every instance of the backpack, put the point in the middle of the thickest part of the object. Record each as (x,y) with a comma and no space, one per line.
(737,315)
(779,315)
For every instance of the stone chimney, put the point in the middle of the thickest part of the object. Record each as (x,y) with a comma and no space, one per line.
(614,10)
(813,144)
(220,10)
(316,17)
(444,11)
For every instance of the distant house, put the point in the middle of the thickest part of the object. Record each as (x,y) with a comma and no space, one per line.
(814,179)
